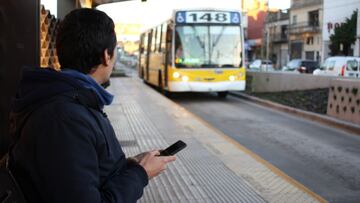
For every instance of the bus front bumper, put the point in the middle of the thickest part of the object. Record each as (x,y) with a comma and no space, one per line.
(206,86)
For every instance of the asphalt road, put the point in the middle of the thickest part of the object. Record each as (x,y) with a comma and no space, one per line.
(324,159)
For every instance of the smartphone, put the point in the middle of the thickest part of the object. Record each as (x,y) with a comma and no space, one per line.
(173,149)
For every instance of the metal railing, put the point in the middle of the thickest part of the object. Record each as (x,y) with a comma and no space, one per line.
(277,16)
(305,27)
(278,38)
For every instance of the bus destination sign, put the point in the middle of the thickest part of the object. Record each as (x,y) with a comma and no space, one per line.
(212,17)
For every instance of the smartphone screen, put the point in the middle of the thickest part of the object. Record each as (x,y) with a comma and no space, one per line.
(173,149)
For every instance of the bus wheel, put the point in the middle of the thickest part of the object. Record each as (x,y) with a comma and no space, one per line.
(222,94)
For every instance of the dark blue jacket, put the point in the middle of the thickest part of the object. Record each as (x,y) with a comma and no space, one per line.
(66,148)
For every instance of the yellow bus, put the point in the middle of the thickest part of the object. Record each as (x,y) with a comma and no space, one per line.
(197,50)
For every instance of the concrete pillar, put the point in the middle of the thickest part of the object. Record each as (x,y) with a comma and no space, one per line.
(19,46)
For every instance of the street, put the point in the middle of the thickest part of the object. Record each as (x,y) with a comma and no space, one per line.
(324,159)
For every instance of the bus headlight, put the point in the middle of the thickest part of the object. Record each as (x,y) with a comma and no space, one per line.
(232,78)
(185,78)
(176,75)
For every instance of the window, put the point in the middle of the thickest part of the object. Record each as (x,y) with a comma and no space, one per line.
(150,34)
(352,65)
(310,40)
(309,55)
(294,20)
(163,37)
(313,18)
(146,42)
(158,38)
(284,30)
(331,65)
(154,35)
(142,42)
(204,46)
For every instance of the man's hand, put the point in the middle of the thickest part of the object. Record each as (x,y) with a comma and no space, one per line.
(152,163)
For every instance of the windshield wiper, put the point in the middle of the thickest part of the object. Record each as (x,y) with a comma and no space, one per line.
(181,65)
(227,66)
(204,65)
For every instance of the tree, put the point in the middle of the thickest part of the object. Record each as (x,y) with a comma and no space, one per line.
(344,36)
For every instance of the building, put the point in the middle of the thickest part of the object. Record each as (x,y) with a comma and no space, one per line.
(276,37)
(256,13)
(335,13)
(305,36)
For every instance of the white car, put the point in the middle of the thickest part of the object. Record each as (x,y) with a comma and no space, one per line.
(261,65)
(346,66)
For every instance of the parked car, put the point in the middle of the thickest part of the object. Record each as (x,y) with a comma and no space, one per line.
(261,65)
(347,66)
(301,66)
(129,60)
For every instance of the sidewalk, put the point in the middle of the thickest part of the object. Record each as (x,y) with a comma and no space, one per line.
(213,168)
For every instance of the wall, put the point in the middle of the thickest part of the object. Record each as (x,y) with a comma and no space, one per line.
(344,100)
(282,81)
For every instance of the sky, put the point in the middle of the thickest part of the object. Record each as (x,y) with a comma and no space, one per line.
(281,4)
(154,12)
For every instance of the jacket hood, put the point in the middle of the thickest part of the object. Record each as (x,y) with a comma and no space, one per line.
(38,85)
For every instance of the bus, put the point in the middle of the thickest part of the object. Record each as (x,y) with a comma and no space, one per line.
(198,50)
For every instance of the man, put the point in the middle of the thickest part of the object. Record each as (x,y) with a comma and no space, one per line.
(65,147)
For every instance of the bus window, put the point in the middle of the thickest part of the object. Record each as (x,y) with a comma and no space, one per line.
(145,43)
(163,38)
(158,38)
(153,47)
(208,46)
(168,41)
(149,42)
(141,46)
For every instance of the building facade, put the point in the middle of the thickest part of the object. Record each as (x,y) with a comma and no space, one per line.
(305,36)
(256,13)
(335,13)
(276,37)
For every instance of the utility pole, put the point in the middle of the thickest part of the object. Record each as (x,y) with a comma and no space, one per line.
(357,42)
(267,42)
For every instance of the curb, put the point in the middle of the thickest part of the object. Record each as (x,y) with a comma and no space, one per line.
(332,122)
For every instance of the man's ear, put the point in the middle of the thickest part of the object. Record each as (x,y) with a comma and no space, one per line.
(106,58)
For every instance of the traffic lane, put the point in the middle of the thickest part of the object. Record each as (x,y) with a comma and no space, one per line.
(324,159)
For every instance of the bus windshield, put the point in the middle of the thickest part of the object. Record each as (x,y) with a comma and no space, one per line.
(207,46)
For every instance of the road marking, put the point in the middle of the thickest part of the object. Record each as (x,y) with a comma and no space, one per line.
(273,168)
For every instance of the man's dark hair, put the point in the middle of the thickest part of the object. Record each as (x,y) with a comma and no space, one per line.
(83,36)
